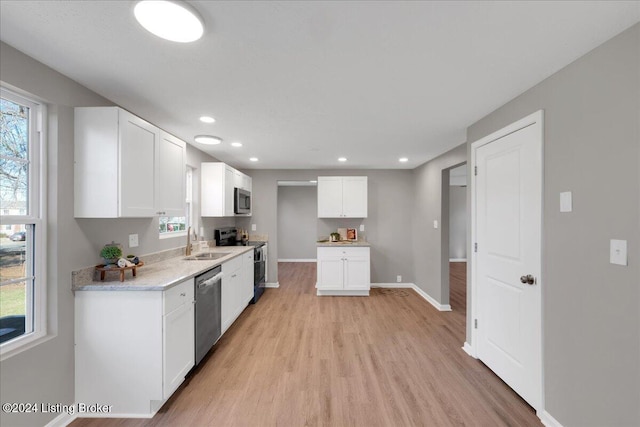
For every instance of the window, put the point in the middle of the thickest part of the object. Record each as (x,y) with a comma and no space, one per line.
(22,240)
(172,226)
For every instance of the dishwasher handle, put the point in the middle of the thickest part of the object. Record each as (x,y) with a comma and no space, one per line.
(211,281)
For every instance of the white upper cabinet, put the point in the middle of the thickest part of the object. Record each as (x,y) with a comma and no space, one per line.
(125,166)
(217,184)
(342,197)
(171,175)
(241,180)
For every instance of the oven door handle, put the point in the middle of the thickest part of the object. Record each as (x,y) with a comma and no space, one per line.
(211,281)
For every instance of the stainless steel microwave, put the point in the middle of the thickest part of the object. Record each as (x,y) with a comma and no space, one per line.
(242,201)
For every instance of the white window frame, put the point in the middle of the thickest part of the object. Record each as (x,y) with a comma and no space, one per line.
(188,208)
(36,216)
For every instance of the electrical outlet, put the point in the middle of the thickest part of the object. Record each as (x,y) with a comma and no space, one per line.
(435,223)
(361,227)
(253,227)
(133,240)
(399,279)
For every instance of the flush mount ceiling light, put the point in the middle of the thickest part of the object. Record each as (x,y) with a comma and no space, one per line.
(207,119)
(172,20)
(253,159)
(236,144)
(342,159)
(208,139)
(403,159)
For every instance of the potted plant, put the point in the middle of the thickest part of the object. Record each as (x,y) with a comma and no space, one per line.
(111,254)
(334,237)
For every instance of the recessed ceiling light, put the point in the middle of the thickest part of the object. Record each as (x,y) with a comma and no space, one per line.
(403,159)
(207,119)
(342,159)
(208,139)
(254,159)
(236,144)
(172,20)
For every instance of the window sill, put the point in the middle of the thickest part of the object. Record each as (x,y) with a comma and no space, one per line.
(23,343)
(175,234)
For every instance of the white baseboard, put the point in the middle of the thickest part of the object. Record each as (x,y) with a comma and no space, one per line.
(457,260)
(469,350)
(62,420)
(272,285)
(298,260)
(423,294)
(548,420)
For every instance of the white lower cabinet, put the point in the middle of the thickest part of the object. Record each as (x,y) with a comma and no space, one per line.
(237,288)
(343,271)
(247,271)
(133,348)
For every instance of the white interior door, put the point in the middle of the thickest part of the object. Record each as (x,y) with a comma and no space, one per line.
(508,207)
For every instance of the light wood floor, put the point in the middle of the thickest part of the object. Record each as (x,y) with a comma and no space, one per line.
(296,359)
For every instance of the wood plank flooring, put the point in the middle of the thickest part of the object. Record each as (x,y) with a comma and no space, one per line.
(295,359)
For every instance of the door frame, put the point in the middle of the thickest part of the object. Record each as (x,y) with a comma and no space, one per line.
(536,119)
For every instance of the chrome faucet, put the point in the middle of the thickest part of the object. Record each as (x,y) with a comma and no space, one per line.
(187,251)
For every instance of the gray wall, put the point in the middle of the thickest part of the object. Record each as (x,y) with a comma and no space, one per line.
(297,222)
(457,222)
(388,226)
(431,194)
(45,373)
(591,309)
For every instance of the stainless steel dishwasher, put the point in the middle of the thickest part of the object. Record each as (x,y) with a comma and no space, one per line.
(208,307)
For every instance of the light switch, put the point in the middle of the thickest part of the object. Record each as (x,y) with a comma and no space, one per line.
(618,252)
(133,240)
(253,227)
(361,227)
(565,202)
(435,223)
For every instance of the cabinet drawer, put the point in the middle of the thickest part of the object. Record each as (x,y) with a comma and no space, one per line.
(359,251)
(178,295)
(232,265)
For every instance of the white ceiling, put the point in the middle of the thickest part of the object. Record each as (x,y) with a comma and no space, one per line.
(302,83)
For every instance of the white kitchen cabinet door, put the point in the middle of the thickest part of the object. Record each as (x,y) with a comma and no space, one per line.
(329,197)
(357,273)
(330,272)
(248,276)
(179,344)
(228,304)
(354,196)
(342,197)
(228,191)
(217,182)
(138,151)
(171,176)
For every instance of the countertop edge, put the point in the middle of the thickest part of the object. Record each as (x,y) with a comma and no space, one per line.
(361,244)
(160,284)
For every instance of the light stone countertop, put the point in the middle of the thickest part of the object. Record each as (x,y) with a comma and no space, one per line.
(163,275)
(343,243)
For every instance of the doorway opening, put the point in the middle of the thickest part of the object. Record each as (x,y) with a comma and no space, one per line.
(458,214)
(454,237)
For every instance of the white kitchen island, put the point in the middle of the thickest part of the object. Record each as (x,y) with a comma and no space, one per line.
(344,269)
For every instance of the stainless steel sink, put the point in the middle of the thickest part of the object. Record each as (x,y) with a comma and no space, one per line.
(207,256)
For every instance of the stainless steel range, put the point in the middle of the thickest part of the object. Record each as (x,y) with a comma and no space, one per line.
(228,236)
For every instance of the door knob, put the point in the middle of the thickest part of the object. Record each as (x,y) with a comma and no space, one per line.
(528,279)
